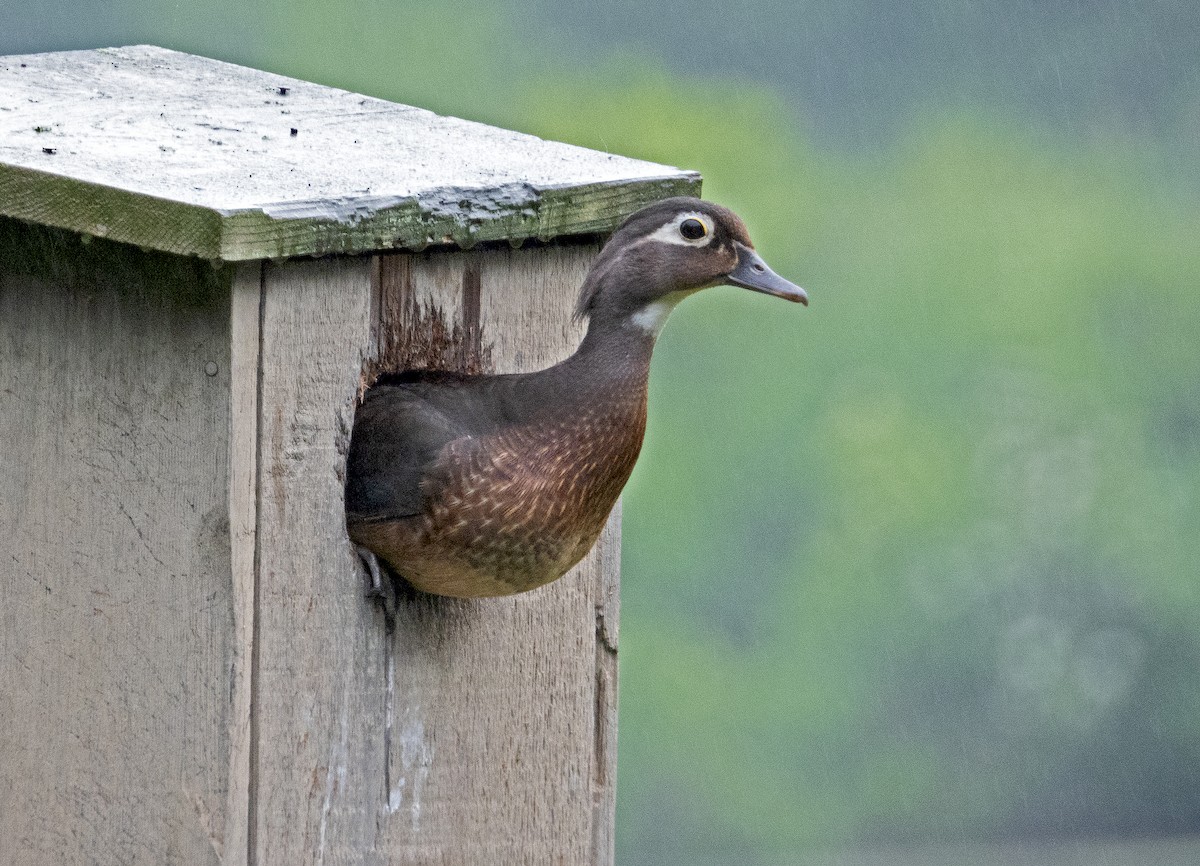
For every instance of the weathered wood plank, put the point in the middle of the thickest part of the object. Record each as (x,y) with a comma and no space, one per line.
(319,646)
(115,598)
(483,731)
(244,363)
(198,157)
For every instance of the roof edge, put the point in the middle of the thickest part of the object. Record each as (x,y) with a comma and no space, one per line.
(448,216)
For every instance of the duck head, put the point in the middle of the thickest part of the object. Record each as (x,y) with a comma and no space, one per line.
(667,251)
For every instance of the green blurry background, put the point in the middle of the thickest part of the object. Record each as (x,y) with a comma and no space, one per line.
(918,563)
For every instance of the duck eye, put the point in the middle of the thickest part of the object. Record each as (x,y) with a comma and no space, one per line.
(692,229)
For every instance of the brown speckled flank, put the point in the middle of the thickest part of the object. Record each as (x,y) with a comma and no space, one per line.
(478,485)
(516,509)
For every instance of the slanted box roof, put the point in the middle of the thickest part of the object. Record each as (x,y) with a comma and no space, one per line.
(194,156)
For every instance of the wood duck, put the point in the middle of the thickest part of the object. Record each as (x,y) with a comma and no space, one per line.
(488,485)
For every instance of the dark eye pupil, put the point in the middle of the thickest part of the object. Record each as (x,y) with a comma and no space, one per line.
(693,230)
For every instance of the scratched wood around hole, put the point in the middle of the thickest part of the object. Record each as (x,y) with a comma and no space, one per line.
(115,597)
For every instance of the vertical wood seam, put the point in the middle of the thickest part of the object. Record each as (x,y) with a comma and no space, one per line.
(245,350)
(606,598)
(383,330)
(471,347)
(256,643)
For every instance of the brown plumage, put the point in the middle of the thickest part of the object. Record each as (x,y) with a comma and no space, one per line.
(495,484)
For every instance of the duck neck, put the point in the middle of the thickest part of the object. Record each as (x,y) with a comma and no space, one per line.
(622,341)
(615,353)
(611,367)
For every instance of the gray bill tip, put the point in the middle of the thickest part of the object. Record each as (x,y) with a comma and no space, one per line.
(754,274)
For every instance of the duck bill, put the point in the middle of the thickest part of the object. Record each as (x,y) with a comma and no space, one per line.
(752,273)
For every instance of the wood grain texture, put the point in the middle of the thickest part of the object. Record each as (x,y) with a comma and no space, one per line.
(197,157)
(245,358)
(319,690)
(481,731)
(115,600)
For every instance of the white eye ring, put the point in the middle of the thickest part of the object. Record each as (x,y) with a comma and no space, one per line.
(672,232)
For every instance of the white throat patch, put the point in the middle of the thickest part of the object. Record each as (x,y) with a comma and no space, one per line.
(653,316)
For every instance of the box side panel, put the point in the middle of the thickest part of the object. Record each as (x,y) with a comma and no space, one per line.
(115,602)
(481,731)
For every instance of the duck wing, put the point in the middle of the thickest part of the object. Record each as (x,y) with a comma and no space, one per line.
(398,432)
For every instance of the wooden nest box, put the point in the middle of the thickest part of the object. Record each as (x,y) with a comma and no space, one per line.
(201,267)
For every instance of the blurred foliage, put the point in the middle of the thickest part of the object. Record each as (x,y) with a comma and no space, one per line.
(919,562)
(926,553)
